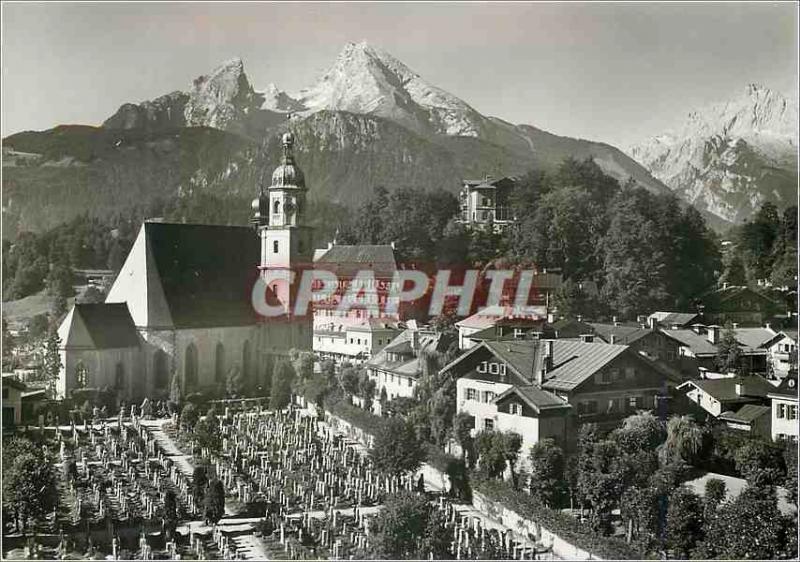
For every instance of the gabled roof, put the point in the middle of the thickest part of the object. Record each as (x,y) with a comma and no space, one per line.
(698,343)
(408,363)
(723,294)
(680,319)
(189,276)
(535,397)
(348,260)
(623,333)
(490,315)
(787,388)
(109,325)
(791,334)
(575,362)
(374,325)
(724,389)
(746,414)
(756,338)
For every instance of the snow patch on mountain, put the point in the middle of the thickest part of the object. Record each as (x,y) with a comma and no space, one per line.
(367,80)
(730,157)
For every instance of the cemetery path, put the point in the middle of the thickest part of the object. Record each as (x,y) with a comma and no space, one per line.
(181,459)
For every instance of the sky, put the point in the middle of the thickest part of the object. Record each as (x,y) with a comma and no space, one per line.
(614,72)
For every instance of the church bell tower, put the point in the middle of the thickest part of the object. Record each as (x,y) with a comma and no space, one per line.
(286,241)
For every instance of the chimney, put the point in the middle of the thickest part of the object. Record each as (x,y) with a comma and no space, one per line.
(587,338)
(330,245)
(653,323)
(551,318)
(768,326)
(612,339)
(713,334)
(415,340)
(735,325)
(579,318)
(547,362)
(615,320)
(392,245)
(725,285)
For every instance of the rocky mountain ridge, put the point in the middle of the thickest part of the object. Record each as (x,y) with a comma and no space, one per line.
(730,157)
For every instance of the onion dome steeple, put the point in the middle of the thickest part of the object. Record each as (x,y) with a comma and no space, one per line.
(288,174)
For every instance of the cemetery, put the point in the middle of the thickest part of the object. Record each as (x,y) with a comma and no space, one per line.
(272,485)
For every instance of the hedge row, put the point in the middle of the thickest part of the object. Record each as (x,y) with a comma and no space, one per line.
(561,524)
(362,419)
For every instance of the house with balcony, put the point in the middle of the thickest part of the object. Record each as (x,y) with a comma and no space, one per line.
(547,388)
(783,409)
(397,367)
(485,202)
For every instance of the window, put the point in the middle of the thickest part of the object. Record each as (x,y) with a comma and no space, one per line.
(275,247)
(515,409)
(409,382)
(276,206)
(488,396)
(488,424)
(81,375)
(781,411)
(494,368)
(634,402)
(615,375)
(791,412)
(603,377)
(482,367)
(591,407)
(630,373)
(5,394)
(472,394)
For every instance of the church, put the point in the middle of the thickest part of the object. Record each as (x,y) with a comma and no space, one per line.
(181,305)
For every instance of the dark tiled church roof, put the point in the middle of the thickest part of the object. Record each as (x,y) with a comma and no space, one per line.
(207,272)
(109,325)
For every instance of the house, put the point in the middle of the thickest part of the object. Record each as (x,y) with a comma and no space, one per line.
(742,305)
(783,405)
(356,343)
(511,322)
(782,354)
(698,347)
(646,338)
(752,418)
(571,381)
(12,401)
(359,331)
(189,293)
(397,367)
(486,202)
(727,394)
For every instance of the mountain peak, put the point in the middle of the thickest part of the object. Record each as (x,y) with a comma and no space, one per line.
(367,79)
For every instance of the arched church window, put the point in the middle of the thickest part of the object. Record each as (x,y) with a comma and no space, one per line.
(119,377)
(276,206)
(81,375)
(190,367)
(160,369)
(275,247)
(219,365)
(246,361)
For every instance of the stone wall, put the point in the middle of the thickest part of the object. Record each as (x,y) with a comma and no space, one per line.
(528,529)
